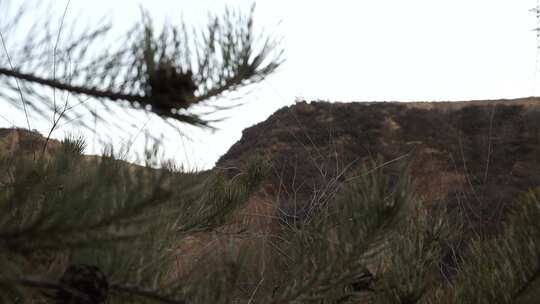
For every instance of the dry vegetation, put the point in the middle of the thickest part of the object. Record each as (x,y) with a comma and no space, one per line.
(469,164)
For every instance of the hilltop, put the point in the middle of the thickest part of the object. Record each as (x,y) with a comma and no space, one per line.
(472,155)
(471,159)
(475,155)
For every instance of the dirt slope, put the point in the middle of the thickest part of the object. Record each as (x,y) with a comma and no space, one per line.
(476,155)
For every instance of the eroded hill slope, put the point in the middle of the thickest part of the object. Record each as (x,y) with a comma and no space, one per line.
(476,156)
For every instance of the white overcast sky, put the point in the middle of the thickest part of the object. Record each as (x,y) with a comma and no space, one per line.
(363,50)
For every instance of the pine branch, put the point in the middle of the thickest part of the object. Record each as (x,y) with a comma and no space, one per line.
(75,89)
(329,253)
(154,71)
(126,220)
(501,269)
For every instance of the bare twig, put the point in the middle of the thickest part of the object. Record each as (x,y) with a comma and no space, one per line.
(18,85)
(54,57)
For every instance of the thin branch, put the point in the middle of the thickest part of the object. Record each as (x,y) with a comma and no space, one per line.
(54,60)
(114,96)
(18,85)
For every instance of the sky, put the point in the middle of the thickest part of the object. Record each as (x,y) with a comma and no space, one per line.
(344,51)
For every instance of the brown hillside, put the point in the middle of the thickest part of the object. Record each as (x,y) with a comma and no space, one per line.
(22,141)
(476,155)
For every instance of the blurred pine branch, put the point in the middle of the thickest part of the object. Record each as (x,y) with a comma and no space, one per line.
(75,229)
(166,71)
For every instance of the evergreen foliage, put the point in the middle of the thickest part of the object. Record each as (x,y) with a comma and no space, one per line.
(373,241)
(124,219)
(165,71)
(75,229)
(504,269)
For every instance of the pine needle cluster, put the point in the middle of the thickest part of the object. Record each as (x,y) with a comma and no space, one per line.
(123,219)
(76,229)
